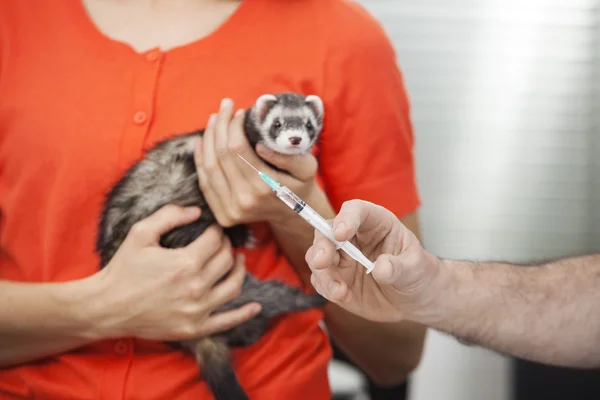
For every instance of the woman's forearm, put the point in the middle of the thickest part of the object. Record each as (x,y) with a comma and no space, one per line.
(387,352)
(39,320)
(367,343)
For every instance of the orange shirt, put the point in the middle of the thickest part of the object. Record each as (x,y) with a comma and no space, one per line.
(77,108)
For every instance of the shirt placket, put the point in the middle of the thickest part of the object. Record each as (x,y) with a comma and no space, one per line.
(142,110)
(131,147)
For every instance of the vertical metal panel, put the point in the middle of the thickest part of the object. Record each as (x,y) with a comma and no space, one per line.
(594,205)
(506,111)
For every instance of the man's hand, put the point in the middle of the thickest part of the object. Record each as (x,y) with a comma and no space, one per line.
(544,313)
(399,284)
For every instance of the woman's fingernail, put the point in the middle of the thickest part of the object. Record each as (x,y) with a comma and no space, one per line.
(239,112)
(226,104)
(340,228)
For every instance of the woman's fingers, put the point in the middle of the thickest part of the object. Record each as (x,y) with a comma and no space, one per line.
(199,161)
(231,163)
(149,230)
(230,287)
(205,247)
(238,143)
(223,321)
(200,154)
(222,128)
(219,265)
(212,180)
(207,156)
(302,167)
(213,138)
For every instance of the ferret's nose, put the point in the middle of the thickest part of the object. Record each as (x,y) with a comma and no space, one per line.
(295,140)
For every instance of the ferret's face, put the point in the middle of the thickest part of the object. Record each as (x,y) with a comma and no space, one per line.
(289,123)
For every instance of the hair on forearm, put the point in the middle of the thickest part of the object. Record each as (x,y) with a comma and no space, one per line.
(544,311)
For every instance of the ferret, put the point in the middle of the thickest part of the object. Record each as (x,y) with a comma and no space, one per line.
(287,123)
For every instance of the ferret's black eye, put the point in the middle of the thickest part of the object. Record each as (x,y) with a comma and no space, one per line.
(277,124)
(309,125)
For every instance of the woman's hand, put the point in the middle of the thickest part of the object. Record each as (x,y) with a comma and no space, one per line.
(170,294)
(233,190)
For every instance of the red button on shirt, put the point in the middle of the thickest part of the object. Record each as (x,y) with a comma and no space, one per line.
(121,347)
(140,117)
(152,56)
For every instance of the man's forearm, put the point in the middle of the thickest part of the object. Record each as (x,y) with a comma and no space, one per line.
(354,335)
(546,313)
(38,320)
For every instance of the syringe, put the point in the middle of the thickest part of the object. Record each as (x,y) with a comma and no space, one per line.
(312,217)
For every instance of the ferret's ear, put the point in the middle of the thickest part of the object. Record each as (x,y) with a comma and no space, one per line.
(263,104)
(316,103)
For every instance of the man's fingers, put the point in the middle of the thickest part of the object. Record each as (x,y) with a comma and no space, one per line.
(353,217)
(149,230)
(329,287)
(322,255)
(222,321)
(302,167)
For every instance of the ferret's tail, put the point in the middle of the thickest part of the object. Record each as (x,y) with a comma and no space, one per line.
(213,357)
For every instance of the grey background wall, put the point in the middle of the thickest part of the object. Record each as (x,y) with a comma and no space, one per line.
(506,105)
(595,156)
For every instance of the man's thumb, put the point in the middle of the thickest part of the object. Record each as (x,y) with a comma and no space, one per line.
(387,269)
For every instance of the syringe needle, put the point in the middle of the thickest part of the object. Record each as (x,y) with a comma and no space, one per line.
(246,161)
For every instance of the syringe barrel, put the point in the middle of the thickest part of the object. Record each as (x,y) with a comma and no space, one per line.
(288,197)
(306,212)
(321,224)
